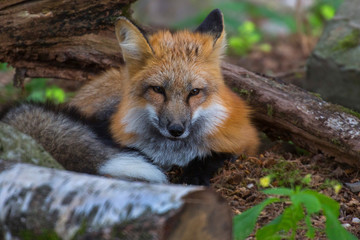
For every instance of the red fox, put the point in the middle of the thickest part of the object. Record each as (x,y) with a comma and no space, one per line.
(173,103)
(169,103)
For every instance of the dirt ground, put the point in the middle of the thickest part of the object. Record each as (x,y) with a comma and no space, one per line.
(238,181)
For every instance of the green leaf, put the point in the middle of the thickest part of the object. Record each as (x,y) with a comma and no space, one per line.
(331,208)
(55,94)
(279,191)
(311,202)
(244,223)
(4,67)
(247,27)
(270,231)
(235,42)
(326,202)
(36,96)
(311,230)
(282,224)
(327,11)
(334,230)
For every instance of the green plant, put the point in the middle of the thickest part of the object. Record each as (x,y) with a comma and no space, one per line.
(233,9)
(248,37)
(38,91)
(4,67)
(320,12)
(284,173)
(302,204)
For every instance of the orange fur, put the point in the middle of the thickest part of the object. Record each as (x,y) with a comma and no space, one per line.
(92,96)
(190,59)
(236,135)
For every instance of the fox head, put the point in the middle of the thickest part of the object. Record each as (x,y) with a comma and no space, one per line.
(174,81)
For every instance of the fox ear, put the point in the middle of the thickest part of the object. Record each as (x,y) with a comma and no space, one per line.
(133,42)
(213,25)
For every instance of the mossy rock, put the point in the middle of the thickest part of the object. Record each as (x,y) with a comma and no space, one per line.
(18,147)
(333,69)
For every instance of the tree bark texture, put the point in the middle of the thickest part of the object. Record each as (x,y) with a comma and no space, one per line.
(43,203)
(77,41)
(44,36)
(286,111)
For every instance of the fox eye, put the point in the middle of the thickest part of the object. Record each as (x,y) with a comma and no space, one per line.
(158,89)
(194,92)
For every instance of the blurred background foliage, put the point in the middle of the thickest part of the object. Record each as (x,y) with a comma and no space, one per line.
(250,25)
(35,89)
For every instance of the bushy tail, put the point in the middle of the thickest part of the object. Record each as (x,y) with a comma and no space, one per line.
(70,139)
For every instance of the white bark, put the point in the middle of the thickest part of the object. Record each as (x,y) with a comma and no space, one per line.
(37,201)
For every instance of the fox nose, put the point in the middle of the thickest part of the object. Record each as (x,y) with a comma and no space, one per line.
(176,130)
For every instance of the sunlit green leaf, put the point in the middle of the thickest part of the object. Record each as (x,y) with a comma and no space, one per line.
(327,11)
(247,27)
(56,94)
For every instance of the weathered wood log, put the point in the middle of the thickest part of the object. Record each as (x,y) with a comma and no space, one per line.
(286,111)
(39,203)
(43,36)
(87,47)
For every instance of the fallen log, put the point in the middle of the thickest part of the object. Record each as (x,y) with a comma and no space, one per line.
(88,46)
(286,111)
(40,37)
(43,203)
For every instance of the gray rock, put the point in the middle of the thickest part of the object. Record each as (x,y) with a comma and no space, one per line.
(333,70)
(354,187)
(18,147)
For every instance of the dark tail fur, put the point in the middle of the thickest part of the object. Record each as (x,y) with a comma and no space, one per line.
(79,143)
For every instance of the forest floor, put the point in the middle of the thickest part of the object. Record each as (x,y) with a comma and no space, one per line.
(238,181)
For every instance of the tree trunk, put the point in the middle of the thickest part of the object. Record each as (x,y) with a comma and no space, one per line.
(76,41)
(43,203)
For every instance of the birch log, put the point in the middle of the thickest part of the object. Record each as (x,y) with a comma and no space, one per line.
(40,203)
(78,42)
